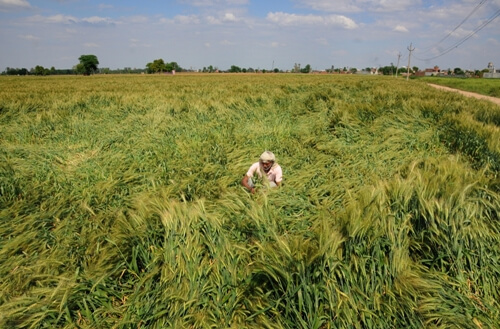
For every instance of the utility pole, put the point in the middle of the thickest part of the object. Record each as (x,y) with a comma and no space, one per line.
(397,66)
(410,49)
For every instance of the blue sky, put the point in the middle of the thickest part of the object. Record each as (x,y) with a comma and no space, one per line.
(261,34)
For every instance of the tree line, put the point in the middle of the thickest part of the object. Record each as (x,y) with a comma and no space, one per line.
(88,65)
(37,70)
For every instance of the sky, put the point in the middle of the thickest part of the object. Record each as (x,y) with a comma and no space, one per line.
(258,34)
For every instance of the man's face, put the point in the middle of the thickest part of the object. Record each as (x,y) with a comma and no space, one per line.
(266,165)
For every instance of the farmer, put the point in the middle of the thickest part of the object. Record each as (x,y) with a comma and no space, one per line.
(266,169)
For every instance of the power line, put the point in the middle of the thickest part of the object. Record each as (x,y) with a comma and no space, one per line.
(470,35)
(482,2)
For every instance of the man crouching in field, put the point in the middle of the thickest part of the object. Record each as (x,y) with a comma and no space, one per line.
(266,169)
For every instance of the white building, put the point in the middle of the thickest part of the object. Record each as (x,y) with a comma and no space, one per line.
(492,72)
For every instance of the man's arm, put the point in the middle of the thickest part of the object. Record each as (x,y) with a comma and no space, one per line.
(244,182)
(279,176)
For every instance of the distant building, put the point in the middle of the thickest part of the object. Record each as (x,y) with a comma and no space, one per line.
(492,73)
(435,71)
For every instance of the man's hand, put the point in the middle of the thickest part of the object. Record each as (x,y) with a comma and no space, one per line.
(244,182)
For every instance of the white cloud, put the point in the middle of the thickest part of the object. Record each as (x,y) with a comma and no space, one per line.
(91,45)
(340,21)
(211,3)
(212,20)
(400,28)
(219,20)
(96,20)
(229,17)
(285,19)
(29,37)
(448,13)
(391,5)
(331,6)
(492,41)
(187,20)
(181,20)
(9,5)
(56,19)
(66,19)
(459,33)
(343,6)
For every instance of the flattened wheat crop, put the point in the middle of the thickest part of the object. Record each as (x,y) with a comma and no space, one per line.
(121,204)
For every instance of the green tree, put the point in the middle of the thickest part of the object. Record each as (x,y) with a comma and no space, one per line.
(172,66)
(89,63)
(39,70)
(306,69)
(16,71)
(235,69)
(79,69)
(175,67)
(458,71)
(482,72)
(157,66)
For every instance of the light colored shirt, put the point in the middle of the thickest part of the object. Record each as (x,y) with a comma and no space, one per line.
(274,174)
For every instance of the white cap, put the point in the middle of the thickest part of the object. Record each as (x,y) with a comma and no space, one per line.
(267,156)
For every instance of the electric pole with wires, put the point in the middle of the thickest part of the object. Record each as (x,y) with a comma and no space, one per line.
(410,49)
(397,65)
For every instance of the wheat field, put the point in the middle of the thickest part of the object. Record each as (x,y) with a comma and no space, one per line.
(121,204)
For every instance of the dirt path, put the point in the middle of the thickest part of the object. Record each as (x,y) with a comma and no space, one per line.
(468,93)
